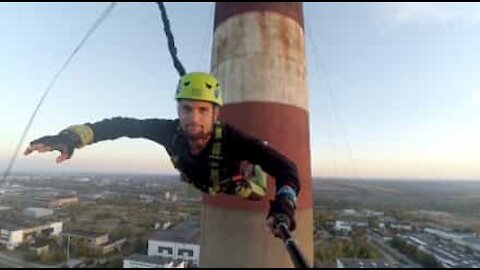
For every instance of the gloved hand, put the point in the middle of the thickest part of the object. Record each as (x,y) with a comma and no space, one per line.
(65,142)
(282,209)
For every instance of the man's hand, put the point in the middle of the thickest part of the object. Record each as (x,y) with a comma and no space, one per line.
(65,142)
(282,209)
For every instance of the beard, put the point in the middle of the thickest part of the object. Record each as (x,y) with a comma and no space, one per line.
(196,134)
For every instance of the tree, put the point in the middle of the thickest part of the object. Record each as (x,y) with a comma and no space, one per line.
(81,248)
(356,247)
(411,251)
(427,260)
(115,263)
(30,257)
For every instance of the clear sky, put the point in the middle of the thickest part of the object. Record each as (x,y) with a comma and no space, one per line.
(394,87)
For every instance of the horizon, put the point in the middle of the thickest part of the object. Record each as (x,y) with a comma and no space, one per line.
(175,174)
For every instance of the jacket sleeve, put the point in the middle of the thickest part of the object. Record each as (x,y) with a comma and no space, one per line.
(158,130)
(246,147)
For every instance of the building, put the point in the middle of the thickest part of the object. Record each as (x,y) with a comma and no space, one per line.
(448,235)
(14,233)
(180,242)
(463,239)
(98,242)
(362,213)
(60,201)
(360,263)
(39,248)
(342,226)
(448,252)
(417,241)
(52,201)
(90,238)
(35,212)
(143,261)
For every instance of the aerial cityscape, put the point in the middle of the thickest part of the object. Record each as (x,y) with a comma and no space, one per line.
(154,221)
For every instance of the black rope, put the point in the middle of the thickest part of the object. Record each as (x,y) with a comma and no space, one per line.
(171,42)
(92,29)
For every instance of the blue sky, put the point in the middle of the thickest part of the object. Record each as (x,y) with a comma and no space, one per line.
(394,88)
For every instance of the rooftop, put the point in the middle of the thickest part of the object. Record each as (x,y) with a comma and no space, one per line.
(151,259)
(185,232)
(19,223)
(85,234)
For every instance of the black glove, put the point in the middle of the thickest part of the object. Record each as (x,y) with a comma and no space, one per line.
(65,142)
(282,209)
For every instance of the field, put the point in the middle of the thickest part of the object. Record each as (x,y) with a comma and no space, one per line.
(460,199)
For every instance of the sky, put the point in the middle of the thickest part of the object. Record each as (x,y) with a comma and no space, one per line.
(394,88)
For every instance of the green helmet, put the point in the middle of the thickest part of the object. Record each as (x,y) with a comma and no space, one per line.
(199,86)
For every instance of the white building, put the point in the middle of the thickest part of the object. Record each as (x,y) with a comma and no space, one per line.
(12,235)
(463,239)
(143,261)
(181,242)
(342,226)
(417,241)
(448,235)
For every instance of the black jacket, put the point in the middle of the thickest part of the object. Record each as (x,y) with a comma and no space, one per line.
(236,146)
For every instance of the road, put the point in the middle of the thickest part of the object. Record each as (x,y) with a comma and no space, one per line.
(7,259)
(390,252)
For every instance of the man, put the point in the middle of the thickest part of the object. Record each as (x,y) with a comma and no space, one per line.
(212,156)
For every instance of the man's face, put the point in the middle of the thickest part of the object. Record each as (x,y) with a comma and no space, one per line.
(196,118)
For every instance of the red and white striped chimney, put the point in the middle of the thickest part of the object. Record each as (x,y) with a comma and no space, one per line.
(259,58)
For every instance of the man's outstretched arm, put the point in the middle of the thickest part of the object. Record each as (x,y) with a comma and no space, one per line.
(77,136)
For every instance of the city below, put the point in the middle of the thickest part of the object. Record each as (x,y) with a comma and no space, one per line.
(137,221)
